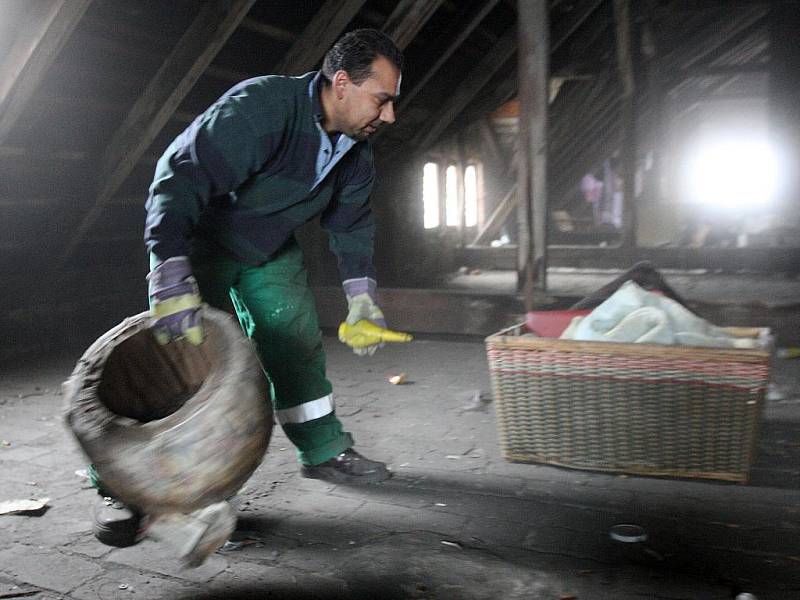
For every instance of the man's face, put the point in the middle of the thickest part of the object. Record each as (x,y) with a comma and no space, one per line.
(370,104)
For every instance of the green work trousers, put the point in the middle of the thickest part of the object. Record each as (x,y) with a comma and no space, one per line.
(276,310)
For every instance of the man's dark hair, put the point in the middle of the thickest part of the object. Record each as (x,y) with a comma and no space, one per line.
(355,52)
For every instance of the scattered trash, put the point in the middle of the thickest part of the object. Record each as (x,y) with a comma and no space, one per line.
(18,592)
(123,586)
(230,546)
(5,443)
(724,524)
(628,533)
(82,473)
(788,353)
(240,539)
(15,507)
(634,538)
(451,544)
(398,379)
(404,464)
(774,392)
(440,504)
(453,457)
(475,402)
(31,483)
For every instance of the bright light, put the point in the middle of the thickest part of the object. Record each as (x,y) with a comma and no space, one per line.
(451,196)
(733,174)
(430,195)
(470,197)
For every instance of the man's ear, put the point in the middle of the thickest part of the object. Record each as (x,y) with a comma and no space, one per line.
(340,82)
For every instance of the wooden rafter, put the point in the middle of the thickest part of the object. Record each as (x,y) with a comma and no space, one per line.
(454,45)
(474,82)
(499,216)
(698,48)
(198,46)
(31,55)
(319,35)
(406,20)
(563,31)
(268,30)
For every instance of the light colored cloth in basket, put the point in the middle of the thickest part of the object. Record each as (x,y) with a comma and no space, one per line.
(633,314)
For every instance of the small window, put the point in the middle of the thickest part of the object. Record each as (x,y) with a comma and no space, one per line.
(453,208)
(451,196)
(470,196)
(430,195)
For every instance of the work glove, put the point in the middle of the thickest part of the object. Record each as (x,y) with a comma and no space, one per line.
(361,304)
(175,302)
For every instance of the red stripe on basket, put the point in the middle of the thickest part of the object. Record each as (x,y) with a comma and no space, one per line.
(579,376)
(563,359)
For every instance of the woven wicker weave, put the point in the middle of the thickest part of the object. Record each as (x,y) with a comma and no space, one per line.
(628,408)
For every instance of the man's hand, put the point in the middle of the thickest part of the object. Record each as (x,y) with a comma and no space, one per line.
(361,305)
(175,302)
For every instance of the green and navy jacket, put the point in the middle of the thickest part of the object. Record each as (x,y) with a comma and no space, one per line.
(256,166)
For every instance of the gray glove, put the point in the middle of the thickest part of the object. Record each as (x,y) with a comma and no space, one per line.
(175,302)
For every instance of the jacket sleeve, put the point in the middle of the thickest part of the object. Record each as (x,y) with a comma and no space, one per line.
(349,221)
(218,152)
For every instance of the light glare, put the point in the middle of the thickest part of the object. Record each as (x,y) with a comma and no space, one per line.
(430,195)
(451,196)
(470,197)
(733,174)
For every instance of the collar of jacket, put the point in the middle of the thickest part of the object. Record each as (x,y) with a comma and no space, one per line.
(314,93)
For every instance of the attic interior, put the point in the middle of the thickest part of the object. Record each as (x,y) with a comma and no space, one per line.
(541,149)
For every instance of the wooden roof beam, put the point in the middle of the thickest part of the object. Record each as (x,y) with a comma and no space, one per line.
(456,43)
(31,56)
(193,53)
(407,19)
(268,30)
(320,34)
(564,30)
(474,82)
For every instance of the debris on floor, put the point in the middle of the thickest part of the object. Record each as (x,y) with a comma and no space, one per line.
(16,591)
(21,507)
(475,401)
(398,379)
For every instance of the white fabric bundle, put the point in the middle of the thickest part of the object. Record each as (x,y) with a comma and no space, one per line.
(633,314)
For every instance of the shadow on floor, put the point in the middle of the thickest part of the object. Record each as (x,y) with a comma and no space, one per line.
(778,459)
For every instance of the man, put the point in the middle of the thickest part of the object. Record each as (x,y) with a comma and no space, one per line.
(270,155)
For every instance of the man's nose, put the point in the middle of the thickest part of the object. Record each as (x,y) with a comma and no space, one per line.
(387,113)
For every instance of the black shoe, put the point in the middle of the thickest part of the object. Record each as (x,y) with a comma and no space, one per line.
(115,524)
(348,467)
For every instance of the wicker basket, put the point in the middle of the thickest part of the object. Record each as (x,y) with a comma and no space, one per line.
(629,408)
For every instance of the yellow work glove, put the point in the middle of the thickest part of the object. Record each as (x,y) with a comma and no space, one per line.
(361,305)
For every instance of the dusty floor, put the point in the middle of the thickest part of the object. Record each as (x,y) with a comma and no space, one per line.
(456,521)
